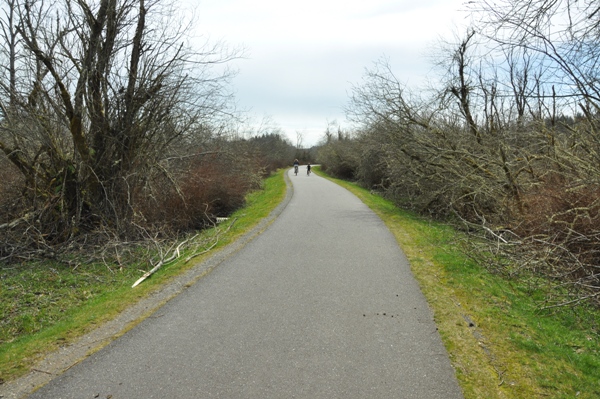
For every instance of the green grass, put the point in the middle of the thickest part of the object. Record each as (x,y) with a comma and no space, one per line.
(515,350)
(46,304)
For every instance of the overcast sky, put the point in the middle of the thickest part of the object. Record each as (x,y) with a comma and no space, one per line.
(304,56)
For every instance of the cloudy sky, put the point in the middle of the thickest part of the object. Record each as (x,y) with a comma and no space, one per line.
(302,57)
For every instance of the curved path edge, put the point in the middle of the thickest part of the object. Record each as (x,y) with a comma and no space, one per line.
(69,355)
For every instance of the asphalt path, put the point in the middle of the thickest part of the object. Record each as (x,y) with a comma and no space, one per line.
(322,304)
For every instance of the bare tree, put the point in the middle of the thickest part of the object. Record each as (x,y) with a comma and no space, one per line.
(563,35)
(299,139)
(8,26)
(461,85)
(115,88)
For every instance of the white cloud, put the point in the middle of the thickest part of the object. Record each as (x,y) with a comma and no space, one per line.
(305,55)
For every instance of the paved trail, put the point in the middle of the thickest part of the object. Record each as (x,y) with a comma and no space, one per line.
(321,305)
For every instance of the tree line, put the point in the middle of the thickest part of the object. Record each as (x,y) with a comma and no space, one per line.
(116,127)
(506,144)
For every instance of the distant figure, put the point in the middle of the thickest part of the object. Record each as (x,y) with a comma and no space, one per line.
(296,164)
(308,169)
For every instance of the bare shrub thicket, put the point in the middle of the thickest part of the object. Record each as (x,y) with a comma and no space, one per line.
(270,150)
(508,144)
(194,190)
(339,153)
(112,126)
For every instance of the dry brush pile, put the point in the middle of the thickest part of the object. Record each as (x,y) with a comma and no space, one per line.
(508,144)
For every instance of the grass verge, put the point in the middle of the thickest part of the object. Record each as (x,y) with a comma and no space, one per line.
(44,305)
(500,343)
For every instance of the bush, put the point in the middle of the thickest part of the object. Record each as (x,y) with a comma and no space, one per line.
(194,191)
(11,184)
(340,158)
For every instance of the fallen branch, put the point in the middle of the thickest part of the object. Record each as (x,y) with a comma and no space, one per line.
(176,254)
(16,222)
(202,252)
(162,262)
(212,246)
(575,301)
